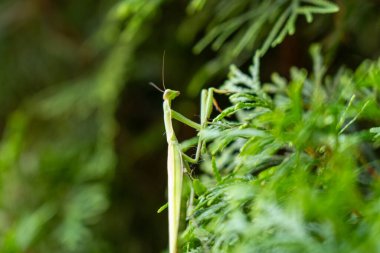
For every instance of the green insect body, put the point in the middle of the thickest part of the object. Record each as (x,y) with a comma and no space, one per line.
(177,160)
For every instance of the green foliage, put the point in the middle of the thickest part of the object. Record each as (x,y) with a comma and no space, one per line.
(57,154)
(238,27)
(251,19)
(292,156)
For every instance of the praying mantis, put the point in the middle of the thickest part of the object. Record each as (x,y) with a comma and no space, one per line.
(177,159)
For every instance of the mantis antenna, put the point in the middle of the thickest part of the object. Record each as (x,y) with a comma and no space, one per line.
(162,76)
(156,87)
(163,70)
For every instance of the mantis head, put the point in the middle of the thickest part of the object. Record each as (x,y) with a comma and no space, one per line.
(170,94)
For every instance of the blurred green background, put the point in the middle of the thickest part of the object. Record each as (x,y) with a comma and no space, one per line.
(82,149)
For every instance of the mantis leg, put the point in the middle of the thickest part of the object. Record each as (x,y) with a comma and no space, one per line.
(207,98)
